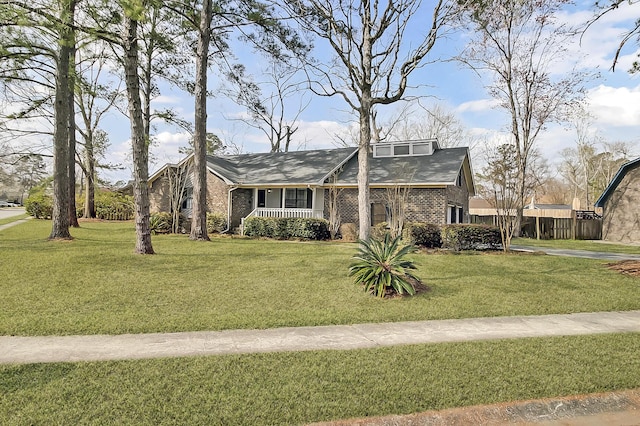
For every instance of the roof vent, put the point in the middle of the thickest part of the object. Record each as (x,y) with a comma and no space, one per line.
(404,149)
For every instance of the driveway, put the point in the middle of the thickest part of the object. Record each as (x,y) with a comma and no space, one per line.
(578,253)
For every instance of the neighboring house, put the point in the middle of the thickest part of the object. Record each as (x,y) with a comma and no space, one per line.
(438,183)
(620,202)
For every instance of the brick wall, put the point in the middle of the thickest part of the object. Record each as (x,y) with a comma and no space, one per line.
(159,195)
(621,218)
(217,195)
(424,204)
(241,205)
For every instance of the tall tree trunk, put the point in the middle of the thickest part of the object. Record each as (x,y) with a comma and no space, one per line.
(89,194)
(73,215)
(139,140)
(199,212)
(60,214)
(364,206)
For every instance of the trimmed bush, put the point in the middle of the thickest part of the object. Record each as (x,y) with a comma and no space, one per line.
(470,237)
(39,205)
(287,228)
(216,223)
(423,234)
(109,206)
(349,232)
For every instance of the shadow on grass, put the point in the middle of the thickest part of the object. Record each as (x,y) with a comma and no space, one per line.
(32,376)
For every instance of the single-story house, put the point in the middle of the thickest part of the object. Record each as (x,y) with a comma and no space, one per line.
(620,203)
(437,181)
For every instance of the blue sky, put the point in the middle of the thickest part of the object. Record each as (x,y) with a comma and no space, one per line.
(614,100)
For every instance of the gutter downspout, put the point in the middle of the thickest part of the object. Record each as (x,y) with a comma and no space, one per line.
(229,209)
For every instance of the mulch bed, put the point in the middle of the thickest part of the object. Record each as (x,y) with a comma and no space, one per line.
(627,267)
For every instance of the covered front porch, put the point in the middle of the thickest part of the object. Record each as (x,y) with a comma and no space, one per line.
(287,203)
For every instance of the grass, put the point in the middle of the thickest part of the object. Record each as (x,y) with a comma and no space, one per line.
(95,284)
(302,387)
(590,245)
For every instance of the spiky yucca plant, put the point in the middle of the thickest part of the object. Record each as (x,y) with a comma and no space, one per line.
(382,266)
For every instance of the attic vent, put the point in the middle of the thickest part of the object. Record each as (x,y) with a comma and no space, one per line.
(403,149)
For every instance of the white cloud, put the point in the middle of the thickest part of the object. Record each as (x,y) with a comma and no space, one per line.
(479,105)
(162,99)
(615,106)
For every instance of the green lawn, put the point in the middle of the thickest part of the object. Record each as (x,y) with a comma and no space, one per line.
(95,284)
(590,245)
(296,388)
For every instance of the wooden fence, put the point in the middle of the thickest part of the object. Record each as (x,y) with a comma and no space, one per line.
(579,225)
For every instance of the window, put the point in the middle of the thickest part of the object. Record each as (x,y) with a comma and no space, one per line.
(422,148)
(298,198)
(455,214)
(187,198)
(401,150)
(459,180)
(378,213)
(460,215)
(382,150)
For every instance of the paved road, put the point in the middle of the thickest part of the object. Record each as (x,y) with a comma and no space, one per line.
(578,253)
(6,212)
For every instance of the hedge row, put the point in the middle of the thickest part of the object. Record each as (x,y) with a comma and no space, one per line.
(286,228)
(455,237)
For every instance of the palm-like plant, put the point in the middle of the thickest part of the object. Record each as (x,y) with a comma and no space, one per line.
(382,267)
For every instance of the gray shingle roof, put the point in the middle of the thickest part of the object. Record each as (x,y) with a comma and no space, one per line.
(288,168)
(312,167)
(442,167)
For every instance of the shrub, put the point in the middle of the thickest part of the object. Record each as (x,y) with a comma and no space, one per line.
(39,205)
(380,230)
(216,223)
(423,234)
(287,228)
(382,268)
(162,223)
(470,237)
(109,206)
(349,232)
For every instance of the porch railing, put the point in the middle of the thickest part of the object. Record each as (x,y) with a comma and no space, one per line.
(280,212)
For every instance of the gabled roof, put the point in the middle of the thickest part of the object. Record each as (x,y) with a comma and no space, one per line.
(440,168)
(616,181)
(280,168)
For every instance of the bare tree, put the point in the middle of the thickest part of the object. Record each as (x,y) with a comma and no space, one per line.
(499,186)
(372,61)
(334,208)
(604,7)
(268,100)
(517,44)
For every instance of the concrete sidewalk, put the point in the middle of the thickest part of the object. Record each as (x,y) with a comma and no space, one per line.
(16,349)
(17,222)
(578,253)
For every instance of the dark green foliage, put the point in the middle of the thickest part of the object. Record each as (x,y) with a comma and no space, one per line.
(109,206)
(470,237)
(39,205)
(216,223)
(381,266)
(287,228)
(162,223)
(423,234)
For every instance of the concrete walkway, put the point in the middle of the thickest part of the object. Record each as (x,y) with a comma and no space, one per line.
(17,222)
(578,253)
(16,349)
